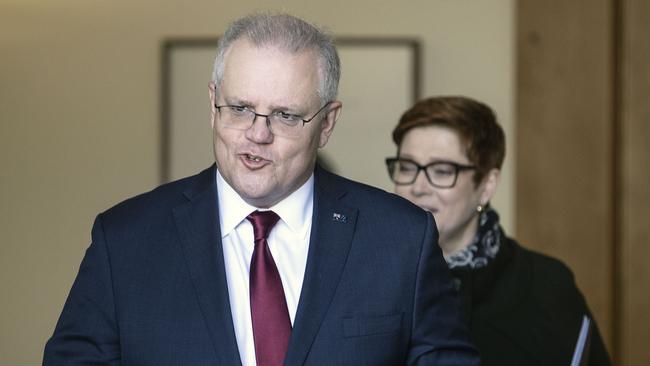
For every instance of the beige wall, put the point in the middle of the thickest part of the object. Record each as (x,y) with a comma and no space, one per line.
(79,123)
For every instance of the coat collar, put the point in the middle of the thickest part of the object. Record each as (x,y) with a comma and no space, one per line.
(498,291)
(333,226)
(197,221)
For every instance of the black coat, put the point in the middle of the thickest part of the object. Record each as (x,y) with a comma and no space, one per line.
(524,309)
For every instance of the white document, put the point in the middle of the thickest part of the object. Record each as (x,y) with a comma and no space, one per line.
(582,346)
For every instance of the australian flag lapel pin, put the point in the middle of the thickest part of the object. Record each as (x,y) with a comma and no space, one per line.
(339,217)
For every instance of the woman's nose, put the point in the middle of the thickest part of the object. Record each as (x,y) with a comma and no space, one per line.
(421,185)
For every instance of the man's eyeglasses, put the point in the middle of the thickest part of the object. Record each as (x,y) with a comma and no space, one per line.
(441,174)
(279,123)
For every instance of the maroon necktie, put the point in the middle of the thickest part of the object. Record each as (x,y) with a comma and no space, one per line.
(271,323)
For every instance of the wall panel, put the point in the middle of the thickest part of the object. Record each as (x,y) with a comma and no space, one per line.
(564,141)
(634,183)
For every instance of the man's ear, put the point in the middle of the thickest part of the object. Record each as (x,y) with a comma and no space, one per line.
(212,92)
(490,184)
(328,122)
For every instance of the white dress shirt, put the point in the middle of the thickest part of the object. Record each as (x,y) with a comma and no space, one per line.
(288,243)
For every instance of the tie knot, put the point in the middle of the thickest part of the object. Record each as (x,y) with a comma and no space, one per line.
(263,222)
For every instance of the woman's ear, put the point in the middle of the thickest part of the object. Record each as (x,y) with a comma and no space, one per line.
(489,184)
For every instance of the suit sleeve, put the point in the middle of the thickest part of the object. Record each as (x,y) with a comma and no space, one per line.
(87,332)
(439,335)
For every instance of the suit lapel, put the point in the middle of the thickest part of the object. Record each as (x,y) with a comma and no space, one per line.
(333,226)
(198,225)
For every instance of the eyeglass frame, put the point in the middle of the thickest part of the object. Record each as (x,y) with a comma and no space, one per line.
(457,169)
(267,117)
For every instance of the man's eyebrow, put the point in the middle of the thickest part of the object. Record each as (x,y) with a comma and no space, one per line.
(291,107)
(286,108)
(236,101)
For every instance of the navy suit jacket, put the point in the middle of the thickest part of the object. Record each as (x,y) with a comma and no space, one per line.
(151,289)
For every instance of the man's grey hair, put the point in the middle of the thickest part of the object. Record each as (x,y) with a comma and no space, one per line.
(290,34)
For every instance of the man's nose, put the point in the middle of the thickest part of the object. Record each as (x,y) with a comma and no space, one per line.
(260,130)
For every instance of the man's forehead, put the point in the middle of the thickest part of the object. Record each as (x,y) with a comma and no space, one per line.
(253,73)
(281,48)
(270,47)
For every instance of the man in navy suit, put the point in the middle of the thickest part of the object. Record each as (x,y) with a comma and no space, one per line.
(265,258)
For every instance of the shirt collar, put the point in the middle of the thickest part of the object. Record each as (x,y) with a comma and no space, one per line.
(295,210)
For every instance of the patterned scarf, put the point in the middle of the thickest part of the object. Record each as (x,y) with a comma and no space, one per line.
(484,246)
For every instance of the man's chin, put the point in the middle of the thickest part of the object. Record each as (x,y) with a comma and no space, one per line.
(258,196)
(260,201)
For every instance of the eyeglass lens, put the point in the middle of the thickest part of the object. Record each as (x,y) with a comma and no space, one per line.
(439,174)
(243,118)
